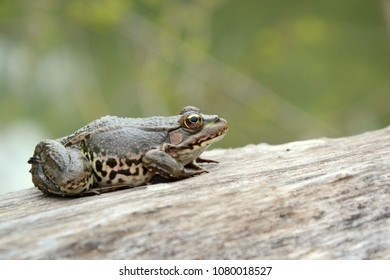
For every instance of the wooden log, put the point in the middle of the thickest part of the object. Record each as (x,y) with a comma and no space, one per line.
(316,199)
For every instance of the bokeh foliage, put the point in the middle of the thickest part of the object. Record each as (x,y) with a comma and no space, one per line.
(277,70)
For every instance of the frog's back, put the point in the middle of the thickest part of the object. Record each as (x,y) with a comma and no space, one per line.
(108,123)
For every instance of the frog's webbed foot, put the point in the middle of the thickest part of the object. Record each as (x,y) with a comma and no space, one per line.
(203,160)
(166,166)
(59,170)
(195,166)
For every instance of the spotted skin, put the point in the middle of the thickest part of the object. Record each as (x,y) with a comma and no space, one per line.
(114,153)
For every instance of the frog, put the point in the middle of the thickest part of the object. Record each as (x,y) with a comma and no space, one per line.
(113,153)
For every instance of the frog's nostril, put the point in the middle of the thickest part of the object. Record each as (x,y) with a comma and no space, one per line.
(216,119)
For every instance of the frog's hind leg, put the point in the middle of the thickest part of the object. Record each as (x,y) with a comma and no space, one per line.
(59,170)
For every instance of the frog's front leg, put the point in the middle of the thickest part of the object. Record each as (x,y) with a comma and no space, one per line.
(60,170)
(166,166)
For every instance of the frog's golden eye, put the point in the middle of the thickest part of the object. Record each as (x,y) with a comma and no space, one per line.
(193,121)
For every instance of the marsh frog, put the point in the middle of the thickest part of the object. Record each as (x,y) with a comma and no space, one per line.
(113,153)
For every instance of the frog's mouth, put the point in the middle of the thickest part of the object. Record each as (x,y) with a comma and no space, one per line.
(210,133)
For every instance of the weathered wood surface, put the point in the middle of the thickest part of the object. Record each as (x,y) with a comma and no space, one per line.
(317,199)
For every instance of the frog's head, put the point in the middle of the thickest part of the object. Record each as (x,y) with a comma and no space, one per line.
(195,133)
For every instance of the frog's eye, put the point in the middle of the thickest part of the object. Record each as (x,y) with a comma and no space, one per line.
(193,121)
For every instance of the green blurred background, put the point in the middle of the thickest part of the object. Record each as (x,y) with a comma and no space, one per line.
(278,71)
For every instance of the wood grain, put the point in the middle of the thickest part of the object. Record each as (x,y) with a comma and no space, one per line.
(316,199)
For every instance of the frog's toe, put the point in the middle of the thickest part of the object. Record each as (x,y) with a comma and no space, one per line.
(193,165)
(187,173)
(203,160)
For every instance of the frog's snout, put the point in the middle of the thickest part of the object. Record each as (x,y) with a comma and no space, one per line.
(217,119)
(221,121)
